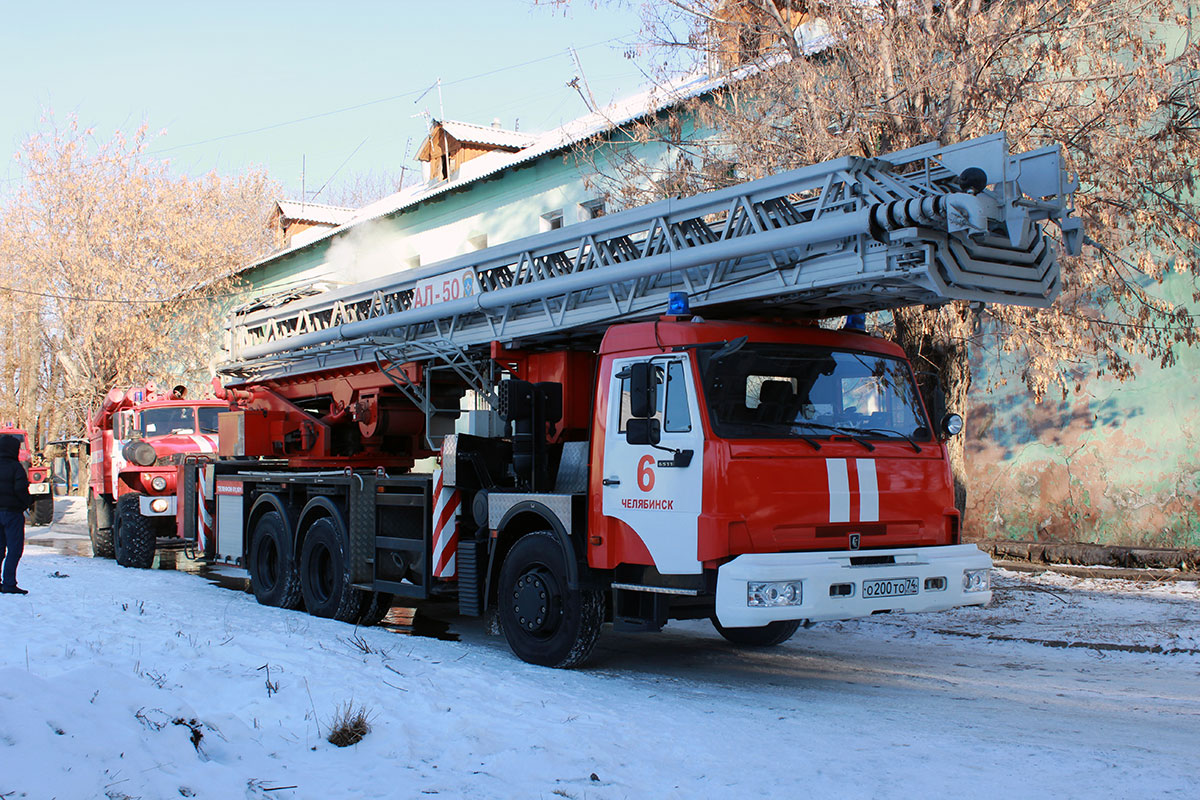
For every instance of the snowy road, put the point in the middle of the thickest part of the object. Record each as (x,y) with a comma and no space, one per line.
(101,670)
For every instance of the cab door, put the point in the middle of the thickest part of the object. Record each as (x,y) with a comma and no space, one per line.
(657,490)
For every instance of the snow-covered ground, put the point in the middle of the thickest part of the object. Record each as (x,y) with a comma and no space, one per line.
(160,684)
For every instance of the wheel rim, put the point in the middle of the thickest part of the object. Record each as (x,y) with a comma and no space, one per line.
(320,573)
(537,602)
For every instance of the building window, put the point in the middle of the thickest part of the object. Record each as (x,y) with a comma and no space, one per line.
(552,221)
(591,210)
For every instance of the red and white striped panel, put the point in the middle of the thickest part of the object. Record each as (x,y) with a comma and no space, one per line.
(205,443)
(446,507)
(204,496)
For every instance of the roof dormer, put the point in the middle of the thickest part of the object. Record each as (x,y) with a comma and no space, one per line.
(451,144)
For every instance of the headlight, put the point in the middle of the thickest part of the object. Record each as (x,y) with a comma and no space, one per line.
(158,505)
(140,453)
(767,594)
(977,580)
(158,483)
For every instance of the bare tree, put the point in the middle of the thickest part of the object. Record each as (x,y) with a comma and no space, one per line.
(116,270)
(361,188)
(1112,81)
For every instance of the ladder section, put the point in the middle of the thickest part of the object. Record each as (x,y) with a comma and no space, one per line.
(920,226)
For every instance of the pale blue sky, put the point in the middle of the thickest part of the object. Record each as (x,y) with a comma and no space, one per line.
(207,71)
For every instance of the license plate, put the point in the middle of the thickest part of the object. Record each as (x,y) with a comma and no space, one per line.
(889,587)
(39,488)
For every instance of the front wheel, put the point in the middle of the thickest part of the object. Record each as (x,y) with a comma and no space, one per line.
(768,635)
(545,621)
(42,512)
(133,534)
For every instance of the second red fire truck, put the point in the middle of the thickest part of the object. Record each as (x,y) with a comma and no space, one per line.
(138,438)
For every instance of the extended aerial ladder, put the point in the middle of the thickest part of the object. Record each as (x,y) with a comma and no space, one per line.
(925,225)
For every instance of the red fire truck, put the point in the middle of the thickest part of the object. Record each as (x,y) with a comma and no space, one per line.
(634,419)
(42,512)
(137,439)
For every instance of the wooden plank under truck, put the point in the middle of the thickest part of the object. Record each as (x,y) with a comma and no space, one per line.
(633,417)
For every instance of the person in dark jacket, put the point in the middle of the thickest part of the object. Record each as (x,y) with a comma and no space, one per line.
(14,499)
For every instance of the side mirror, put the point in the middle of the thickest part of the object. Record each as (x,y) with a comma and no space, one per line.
(952,425)
(642,431)
(643,389)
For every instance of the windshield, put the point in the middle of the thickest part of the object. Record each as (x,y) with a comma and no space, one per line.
(161,421)
(774,391)
(208,418)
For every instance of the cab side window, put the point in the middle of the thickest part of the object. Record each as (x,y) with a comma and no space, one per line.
(672,410)
(676,417)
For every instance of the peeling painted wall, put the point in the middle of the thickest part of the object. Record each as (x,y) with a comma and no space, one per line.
(1115,463)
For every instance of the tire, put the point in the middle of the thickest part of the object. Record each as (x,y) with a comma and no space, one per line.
(133,534)
(100,527)
(374,607)
(42,512)
(273,577)
(544,621)
(769,635)
(325,574)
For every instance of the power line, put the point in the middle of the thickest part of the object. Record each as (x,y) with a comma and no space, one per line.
(248,292)
(401,96)
(355,107)
(335,172)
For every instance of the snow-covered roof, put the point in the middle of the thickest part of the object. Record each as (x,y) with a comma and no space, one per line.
(315,212)
(483,134)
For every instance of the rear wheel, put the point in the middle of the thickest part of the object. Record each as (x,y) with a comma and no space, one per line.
(325,574)
(133,534)
(100,526)
(768,635)
(42,512)
(273,577)
(545,621)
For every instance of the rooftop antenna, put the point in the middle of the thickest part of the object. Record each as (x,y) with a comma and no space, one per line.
(589,100)
(404,163)
(441,119)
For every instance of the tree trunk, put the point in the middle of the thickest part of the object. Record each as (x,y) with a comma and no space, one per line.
(936,342)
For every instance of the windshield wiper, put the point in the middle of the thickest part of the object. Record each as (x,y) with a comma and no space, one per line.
(889,432)
(775,425)
(847,432)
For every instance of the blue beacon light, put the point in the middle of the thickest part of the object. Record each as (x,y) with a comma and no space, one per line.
(677,304)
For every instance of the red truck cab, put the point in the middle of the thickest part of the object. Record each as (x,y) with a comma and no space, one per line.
(138,440)
(795,467)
